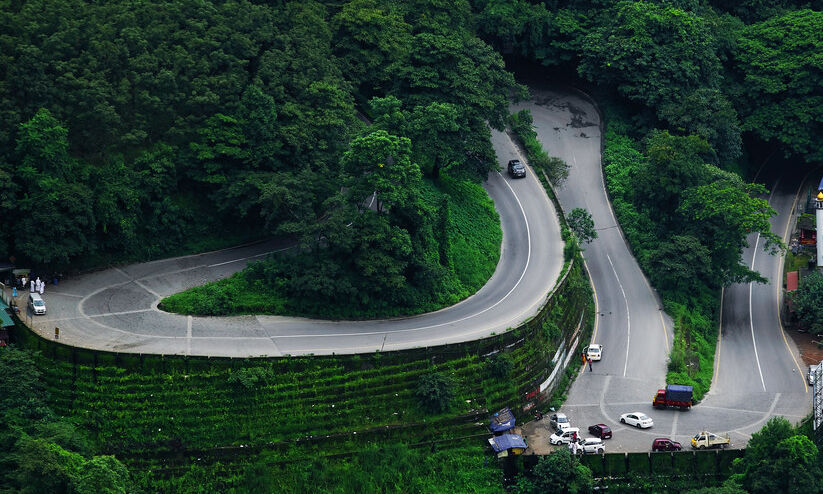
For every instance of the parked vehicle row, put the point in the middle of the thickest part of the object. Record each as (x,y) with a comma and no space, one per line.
(564,433)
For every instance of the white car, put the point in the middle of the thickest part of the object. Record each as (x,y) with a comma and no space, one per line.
(594,351)
(637,419)
(559,421)
(565,436)
(591,445)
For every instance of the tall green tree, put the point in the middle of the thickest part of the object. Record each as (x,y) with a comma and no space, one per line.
(56,217)
(582,224)
(780,97)
(651,52)
(807,301)
(373,41)
(707,113)
(779,460)
(558,472)
(722,213)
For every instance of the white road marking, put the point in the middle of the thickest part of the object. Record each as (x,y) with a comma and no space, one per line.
(674,424)
(189,320)
(751,318)
(245,258)
(751,287)
(628,315)
(121,313)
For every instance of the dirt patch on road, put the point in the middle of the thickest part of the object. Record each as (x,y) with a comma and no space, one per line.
(808,345)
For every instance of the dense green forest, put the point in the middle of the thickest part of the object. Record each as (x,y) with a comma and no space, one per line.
(696,95)
(133,130)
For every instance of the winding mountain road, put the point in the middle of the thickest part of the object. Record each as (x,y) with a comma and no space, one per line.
(637,334)
(756,375)
(116,309)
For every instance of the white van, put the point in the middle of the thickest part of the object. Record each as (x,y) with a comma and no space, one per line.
(36,303)
(565,436)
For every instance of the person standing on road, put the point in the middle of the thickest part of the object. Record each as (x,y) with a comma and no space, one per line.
(32,286)
(42,287)
(590,366)
(583,355)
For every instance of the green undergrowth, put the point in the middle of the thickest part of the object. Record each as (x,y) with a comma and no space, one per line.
(695,314)
(472,247)
(308,423)
(463,466)
(174,421)
(521,124)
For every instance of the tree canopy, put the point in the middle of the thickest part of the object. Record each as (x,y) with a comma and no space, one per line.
(127,131)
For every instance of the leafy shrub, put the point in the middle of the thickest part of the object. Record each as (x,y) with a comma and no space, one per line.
(500,366)
(539,159)
(436,392)
(249,377)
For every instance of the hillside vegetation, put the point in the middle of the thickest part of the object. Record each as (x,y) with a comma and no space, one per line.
(133,131)
(295,423)
(695,96)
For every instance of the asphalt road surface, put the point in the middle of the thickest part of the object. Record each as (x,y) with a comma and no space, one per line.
(116,309)
(636,333)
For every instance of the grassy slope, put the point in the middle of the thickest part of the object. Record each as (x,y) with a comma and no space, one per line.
(178,423)
(474,238)
(694,325)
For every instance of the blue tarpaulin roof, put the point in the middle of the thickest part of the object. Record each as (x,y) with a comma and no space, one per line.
(502,421)
(5,318)
(507,441)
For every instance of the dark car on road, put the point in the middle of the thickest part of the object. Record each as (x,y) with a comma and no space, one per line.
(516,169)
(665,444)
(600,430)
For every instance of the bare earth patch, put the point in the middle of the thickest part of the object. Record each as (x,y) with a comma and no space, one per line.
(808,346)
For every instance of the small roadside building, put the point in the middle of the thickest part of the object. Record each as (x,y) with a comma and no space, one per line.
(508,445)
(6,323)
(501,421)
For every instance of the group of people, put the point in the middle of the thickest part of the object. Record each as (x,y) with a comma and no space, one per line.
(35,285)
(586,359)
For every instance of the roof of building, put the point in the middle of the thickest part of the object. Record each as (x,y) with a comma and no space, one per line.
(5,318)
(791,281)
(507,441)
(502,421)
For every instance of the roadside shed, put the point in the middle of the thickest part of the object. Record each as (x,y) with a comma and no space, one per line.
(501,421)
(508,444)
(6,322)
